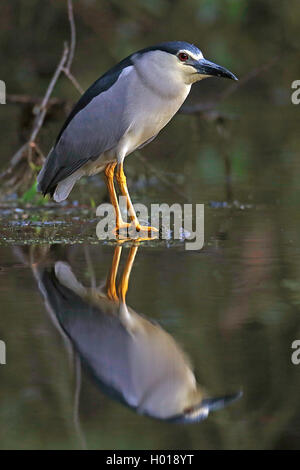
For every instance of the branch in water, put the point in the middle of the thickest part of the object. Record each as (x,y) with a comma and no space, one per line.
(64,66)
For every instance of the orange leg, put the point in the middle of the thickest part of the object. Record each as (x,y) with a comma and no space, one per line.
(121,179)
(123,287)
(111,279)
(109,177)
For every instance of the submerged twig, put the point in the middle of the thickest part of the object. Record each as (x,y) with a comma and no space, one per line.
(159,175)
(32,100)
(26,150)
(67,68)
(43,108)
(73,35)
(39,120)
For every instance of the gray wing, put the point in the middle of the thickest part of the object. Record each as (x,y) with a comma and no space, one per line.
(96,125)
(96,128)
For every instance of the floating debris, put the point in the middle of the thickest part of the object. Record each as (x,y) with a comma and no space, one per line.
(230,205)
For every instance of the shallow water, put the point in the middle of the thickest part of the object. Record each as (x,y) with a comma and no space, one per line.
(232,307)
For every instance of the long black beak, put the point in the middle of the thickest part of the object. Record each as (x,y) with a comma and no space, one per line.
(201,411)
(205,67)
(213,404)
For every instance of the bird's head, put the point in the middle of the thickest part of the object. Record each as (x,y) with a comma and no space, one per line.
(187,62)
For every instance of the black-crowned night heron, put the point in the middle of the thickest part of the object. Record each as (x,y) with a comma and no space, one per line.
(123,111)
(131,358)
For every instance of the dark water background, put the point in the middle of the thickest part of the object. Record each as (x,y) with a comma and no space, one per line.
(233,306)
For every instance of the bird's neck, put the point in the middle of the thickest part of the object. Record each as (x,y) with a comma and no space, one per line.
(161,80)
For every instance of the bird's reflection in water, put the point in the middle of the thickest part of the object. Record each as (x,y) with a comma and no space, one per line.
(133,359)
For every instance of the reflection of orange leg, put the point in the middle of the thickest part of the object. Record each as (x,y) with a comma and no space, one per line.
(121,179)
(111,279)
(123,287)
(109,177)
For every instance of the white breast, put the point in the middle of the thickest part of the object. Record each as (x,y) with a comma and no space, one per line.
(153,97)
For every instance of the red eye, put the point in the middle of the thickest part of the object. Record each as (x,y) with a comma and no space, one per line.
(183,56)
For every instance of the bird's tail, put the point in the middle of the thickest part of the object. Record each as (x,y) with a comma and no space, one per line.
(52,180)
(47,174)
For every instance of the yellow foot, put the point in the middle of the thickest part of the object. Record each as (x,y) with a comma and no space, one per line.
(146,228)
(134,231)
(146,232)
